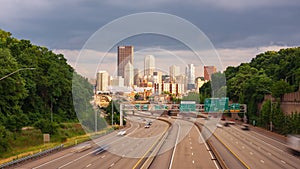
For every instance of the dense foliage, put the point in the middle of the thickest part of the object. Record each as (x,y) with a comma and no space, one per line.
(274,73)
(36,97)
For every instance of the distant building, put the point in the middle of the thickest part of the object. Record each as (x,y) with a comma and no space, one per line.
(157,77)
(149,65)
(117,81)
(190,76)
(173,72)
(125,55)
(102,81)
(128,75)
(208,71)
(137,77)
(172,88)
(165,78)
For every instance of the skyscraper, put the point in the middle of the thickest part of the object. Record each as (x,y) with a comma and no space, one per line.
(102,81)
(173,72)
(208,71)
(149,65)
(129,75)
(137,78)
(190,75)
(125,55)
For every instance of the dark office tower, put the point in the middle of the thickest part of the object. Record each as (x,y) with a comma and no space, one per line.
(125,55)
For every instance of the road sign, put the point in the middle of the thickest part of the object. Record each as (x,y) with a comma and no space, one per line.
(187,106)
(216,104)
(235,108)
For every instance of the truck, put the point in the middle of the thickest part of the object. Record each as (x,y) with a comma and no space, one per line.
(293,142)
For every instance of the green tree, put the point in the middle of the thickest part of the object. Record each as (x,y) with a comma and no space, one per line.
(280,87)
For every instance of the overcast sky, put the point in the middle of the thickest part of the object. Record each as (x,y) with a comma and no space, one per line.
(238,29)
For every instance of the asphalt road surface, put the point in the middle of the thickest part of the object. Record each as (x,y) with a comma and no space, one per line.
(177,145)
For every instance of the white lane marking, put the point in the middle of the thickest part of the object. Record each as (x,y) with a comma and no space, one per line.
(251,153)
(190,142)
(191,147)
(269,153)
(53,160)
(243,147)
(283,162)
(200,135)
(77,159)
(112,164)
(88,165)
(236,142)
(264,141)
(103,156)
(193,161)
(262,161)
(192,154)
(176,142)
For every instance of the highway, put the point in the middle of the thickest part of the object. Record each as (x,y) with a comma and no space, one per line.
(168,143)
(175,143)
(256,150)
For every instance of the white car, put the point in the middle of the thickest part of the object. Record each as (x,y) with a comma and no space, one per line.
(219,125)
(121,133)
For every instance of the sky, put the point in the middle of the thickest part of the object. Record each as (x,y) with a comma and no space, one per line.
(238,29)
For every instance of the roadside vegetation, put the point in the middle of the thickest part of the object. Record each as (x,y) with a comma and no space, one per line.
(36,96)
(272,72)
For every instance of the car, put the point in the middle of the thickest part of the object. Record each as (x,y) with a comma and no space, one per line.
(219,125)
(101,149)
(83,147)
(226,124)
(121,133)
(231,122)
(245,127)
(147,126)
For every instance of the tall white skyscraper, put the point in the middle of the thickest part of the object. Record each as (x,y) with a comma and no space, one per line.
(129,75)
(149,65)
(190,75)
(173,72)
(102,81)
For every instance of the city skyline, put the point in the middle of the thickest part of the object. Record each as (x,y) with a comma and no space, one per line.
(172,80)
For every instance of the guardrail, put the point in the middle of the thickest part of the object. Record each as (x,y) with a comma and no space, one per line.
(42,153)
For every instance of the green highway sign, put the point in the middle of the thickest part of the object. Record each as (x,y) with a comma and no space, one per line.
(216,104)
(187,106)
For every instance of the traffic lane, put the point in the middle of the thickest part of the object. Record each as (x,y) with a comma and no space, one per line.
(68,154)
(128,146)
(192,153)
(164,155)
(271,138)
(252,155)
(142,146)
(266,147)
(229,159)
(104,160)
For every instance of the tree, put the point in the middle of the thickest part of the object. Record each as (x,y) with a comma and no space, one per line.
(281,87)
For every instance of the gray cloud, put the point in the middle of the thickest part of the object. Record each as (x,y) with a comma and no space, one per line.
(67,24)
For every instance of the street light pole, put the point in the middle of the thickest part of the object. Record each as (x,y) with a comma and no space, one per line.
(112,111)
(15,72)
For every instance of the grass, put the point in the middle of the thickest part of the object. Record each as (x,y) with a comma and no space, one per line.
(29,142)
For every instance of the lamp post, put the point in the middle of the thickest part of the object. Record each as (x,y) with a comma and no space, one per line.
(30,68)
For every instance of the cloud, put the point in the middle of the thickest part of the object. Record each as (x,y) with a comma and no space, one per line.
(229,5)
